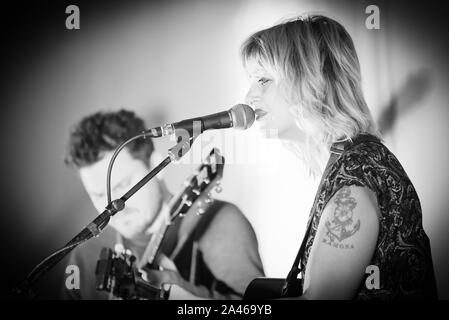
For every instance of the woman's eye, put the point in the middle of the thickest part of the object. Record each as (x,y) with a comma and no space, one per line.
(263,80)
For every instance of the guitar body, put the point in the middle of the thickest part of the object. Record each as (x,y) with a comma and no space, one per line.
(115,274)
(271,288)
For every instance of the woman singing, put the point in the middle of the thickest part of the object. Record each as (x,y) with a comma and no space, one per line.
(366,219)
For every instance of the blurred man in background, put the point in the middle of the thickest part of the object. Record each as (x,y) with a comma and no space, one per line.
(211,256)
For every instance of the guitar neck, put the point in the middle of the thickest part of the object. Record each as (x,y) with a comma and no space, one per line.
(154,246)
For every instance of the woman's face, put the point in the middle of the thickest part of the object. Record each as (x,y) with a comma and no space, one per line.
(267,96)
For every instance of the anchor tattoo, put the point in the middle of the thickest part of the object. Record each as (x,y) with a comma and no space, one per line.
(342,225)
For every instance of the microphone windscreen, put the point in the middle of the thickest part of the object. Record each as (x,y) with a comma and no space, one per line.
(243,116)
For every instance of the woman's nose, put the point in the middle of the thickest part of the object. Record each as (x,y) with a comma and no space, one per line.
(251,96)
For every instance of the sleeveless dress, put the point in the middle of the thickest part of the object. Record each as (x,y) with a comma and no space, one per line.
(402,252)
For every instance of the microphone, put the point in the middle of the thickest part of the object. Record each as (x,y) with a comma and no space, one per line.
(240,116)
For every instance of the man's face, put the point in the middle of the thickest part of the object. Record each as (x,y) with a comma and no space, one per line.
(141,209)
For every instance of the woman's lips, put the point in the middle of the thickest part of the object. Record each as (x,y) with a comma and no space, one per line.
(260,113)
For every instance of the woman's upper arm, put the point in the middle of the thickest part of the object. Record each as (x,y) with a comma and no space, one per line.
(344,245)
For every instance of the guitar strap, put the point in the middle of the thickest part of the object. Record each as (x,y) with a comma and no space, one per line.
(189,259)
(336,150)
(171,238)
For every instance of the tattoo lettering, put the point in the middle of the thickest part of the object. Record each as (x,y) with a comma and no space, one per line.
(342,225)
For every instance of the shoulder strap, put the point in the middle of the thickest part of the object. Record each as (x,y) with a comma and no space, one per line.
(295,270)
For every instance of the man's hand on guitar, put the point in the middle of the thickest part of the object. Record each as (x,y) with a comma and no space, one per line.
(167,273)
(169,278)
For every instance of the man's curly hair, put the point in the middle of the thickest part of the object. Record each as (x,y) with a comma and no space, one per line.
(102,132)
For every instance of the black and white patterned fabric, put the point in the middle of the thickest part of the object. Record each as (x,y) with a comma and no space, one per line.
(402,252)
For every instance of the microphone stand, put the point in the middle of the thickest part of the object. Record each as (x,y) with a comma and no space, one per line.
(94,228)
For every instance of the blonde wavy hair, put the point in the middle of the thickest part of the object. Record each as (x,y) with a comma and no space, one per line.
(315,58)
